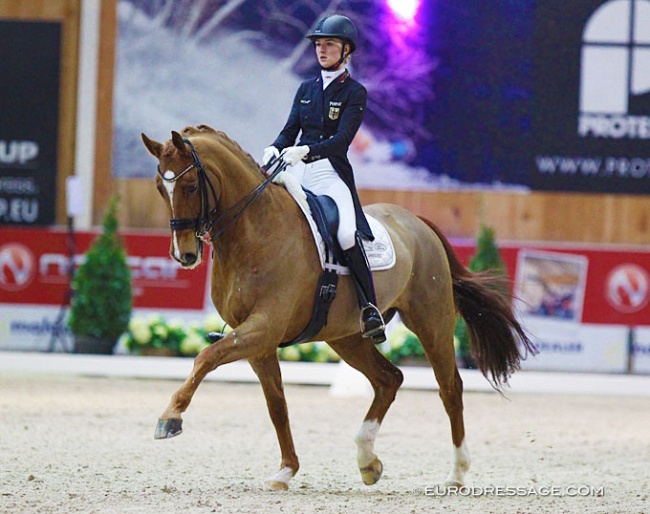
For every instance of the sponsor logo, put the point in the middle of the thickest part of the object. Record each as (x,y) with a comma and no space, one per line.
(18,210)
(615,72)
(17,267)
(627,288)
(18,153)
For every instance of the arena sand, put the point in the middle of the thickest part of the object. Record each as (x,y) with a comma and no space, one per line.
(73,444)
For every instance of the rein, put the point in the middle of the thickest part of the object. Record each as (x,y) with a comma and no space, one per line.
(206,221)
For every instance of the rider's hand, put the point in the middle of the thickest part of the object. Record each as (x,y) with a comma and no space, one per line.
(270,153)
(295,154)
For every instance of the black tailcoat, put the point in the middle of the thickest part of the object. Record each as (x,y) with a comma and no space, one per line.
(328,121)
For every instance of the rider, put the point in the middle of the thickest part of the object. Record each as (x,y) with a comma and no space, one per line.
(328,111)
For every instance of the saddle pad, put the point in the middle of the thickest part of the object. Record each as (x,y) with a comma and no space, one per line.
(380,252)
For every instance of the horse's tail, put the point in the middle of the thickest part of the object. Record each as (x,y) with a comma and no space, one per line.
(498,342)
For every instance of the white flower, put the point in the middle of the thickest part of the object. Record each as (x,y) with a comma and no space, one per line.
(175,323)
(140,330)
(398,336)
(192,344)
(290,353)
(213,323)
(332,356)
(160,331)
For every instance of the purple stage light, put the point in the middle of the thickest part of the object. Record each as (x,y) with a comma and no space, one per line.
(404,9)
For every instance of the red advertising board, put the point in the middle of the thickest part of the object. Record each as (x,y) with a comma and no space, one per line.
(616,289)
(34,266)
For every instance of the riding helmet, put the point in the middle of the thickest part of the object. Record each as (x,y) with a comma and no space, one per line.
(335,25)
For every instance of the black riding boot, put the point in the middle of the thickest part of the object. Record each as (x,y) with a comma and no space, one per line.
(372,324)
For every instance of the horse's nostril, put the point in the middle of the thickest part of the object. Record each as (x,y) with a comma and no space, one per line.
(188,258)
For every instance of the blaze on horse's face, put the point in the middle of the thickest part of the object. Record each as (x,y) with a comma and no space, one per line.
(181,196)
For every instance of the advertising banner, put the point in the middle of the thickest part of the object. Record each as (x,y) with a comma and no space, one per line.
(34,269)
(641,351)
(586,307)
(599,284)
(591,119)
(30,55)
(582,305)
(35,275)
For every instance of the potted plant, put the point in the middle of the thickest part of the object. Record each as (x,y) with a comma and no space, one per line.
(486,259)
(101,302)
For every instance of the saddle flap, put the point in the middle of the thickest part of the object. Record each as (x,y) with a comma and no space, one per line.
(326,215)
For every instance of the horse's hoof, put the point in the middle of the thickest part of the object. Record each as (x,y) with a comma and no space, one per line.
(447,484)
(167,428)
(274,485)
(372,472)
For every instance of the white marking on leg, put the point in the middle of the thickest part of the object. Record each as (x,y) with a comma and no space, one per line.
(365,441)
(284,475)
(169,187)
(460,465)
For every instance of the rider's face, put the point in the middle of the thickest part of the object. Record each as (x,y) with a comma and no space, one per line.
(328,51)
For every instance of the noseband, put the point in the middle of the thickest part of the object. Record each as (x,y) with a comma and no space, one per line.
(208,219)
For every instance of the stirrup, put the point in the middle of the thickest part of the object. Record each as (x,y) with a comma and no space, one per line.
(375,329)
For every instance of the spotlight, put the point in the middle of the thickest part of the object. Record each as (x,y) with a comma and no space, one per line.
(404,9)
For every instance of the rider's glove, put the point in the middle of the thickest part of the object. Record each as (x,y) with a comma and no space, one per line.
(270,153)
(294,154)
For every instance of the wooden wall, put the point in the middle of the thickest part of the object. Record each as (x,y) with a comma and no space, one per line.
(105,185)
(68,12)
(535,216)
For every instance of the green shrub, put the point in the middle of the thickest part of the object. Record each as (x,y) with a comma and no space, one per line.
(101,302)
(486,258)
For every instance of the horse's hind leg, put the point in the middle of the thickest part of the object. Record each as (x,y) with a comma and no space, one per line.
(385,379)
(267,369)
(436,333)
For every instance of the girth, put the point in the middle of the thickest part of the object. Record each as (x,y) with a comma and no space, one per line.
(326,216)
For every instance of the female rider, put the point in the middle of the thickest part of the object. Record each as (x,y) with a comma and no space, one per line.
(327,112)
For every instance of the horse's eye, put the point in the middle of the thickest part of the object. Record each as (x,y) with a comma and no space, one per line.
(192,188)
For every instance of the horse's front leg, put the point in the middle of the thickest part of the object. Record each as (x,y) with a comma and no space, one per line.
(267,368)
(245,342)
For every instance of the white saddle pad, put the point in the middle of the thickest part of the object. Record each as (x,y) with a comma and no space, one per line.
(380,252)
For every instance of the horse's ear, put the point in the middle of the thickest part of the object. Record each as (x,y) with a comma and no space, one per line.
(178,142)
(154,147)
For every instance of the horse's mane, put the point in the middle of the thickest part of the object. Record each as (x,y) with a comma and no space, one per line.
(222,137)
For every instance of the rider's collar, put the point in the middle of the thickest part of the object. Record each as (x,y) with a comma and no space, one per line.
(330,76)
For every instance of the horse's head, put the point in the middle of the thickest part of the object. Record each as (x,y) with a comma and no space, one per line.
(188,193)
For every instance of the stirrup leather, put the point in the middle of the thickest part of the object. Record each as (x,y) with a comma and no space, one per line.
(371,332)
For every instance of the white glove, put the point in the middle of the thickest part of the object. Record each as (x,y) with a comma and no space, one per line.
(294,154)
(270,153)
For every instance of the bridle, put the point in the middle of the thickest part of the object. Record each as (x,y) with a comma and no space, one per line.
(209,219)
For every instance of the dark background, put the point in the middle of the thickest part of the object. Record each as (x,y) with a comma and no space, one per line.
(29,106)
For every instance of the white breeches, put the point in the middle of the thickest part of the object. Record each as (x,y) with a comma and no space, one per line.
(321,178)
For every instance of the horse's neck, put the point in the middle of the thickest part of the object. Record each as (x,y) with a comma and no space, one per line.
(261,225)
(258,249)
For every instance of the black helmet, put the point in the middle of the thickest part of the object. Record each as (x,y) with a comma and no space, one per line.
(337,26)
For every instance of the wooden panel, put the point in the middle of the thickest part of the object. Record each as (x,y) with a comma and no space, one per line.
(141,205)
(105,185)
(534,216)
(522,217)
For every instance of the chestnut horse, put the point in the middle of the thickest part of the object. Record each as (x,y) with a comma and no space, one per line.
(264,273)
